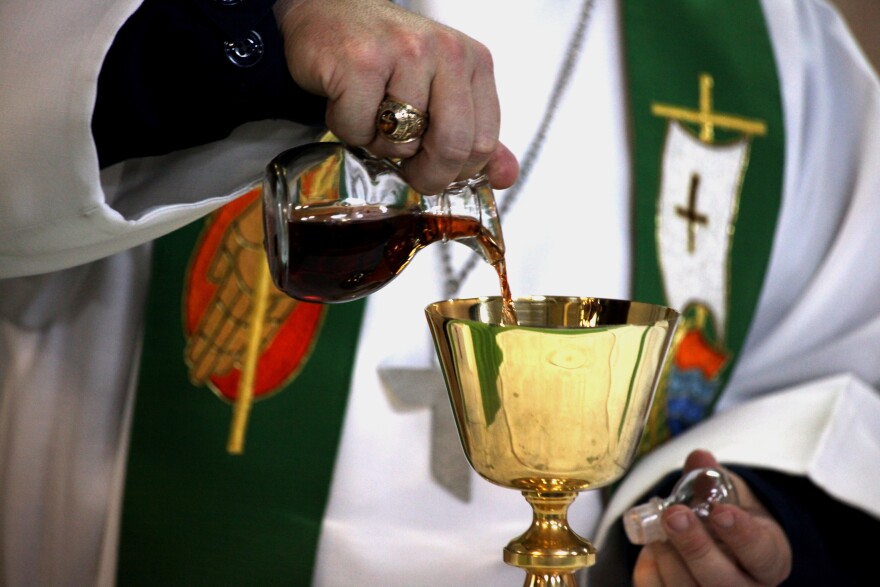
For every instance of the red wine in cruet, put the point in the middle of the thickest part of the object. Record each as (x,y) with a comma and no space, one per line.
(340,253)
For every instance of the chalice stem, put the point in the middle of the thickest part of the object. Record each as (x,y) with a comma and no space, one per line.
(549,551)
(550,580)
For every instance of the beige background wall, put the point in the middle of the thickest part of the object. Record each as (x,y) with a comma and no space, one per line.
(863,17)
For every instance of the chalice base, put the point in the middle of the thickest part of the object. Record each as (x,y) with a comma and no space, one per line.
(550,552)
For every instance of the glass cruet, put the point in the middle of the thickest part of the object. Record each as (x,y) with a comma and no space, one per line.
(340,223)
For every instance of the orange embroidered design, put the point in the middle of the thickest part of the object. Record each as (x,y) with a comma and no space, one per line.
(217,303)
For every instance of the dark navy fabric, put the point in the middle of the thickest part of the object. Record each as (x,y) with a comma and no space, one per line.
(167,83)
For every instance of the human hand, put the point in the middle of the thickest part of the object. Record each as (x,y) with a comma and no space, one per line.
(355,52)
(738,546)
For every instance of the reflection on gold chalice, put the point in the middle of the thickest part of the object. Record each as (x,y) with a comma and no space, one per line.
(551,406)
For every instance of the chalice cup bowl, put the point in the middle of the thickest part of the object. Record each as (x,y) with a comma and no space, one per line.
(552,405)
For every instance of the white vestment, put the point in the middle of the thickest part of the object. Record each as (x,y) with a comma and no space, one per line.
(68,339)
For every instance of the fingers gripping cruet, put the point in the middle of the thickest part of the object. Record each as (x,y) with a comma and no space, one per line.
(340,223)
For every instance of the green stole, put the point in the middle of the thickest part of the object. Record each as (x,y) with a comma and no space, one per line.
(705,67)
(193,513)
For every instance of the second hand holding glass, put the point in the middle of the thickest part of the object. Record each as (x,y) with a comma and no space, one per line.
(699,489)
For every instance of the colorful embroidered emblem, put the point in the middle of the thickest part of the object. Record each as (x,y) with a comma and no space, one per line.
(698,200)
(217,306)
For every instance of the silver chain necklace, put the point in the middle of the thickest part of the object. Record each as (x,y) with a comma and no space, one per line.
(452,279)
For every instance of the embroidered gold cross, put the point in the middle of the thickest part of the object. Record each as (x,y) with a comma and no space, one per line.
(706,118)
(691,214)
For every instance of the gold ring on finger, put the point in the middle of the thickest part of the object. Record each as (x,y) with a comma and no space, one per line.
(400,122)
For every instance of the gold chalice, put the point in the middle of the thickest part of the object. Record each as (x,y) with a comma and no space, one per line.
(551,406)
